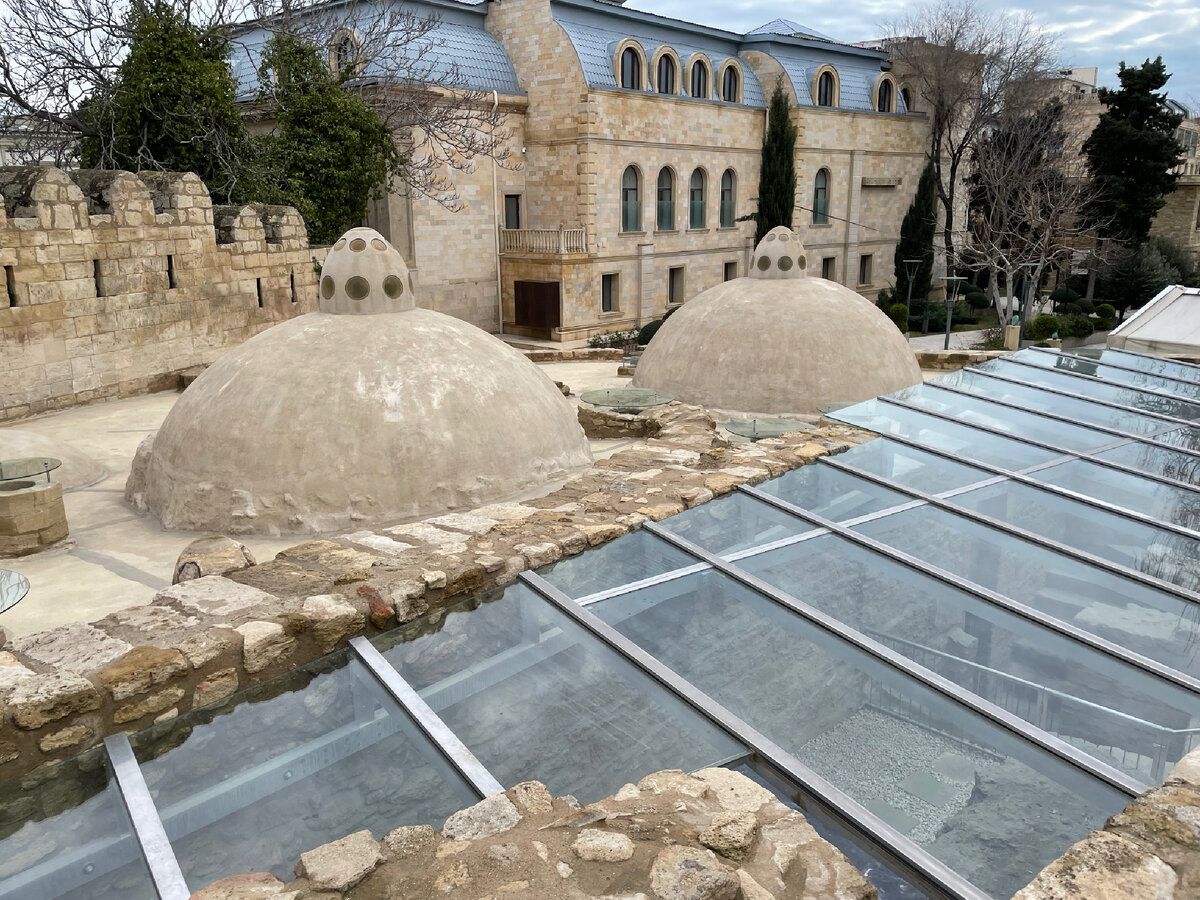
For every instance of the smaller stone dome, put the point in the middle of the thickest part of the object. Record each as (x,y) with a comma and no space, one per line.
(365,275)
(780,254)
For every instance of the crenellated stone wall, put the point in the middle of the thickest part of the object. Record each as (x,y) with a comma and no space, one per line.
(114,283)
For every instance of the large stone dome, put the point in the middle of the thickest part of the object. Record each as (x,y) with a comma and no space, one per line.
(367,411)
(777,341)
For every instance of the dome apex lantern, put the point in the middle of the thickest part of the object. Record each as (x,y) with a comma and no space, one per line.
(780,254)
(363,275)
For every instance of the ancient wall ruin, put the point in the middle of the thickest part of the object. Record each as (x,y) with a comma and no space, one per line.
(115,283)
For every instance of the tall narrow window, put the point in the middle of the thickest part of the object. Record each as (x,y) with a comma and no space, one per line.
(610,292)
(731,270)
(727,199)
(906,96)
(821,198)
(675,285)
(10,285)
(96,278)
(631,207)
(885,96)
(729,85)
(292,285)
(171,272)
(699,80)
(666,201)
(666,75)
(864,268)
(825,89)
(828,268)
(512,210)
(696,216)
(631,69)
(258,290)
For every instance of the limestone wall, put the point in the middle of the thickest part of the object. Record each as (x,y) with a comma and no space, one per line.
(115,282)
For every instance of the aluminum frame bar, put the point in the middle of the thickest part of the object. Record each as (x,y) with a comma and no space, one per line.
(1175,362)
(1103,429)
(1098,362)
(430,724)
(1066,629)
(905,851)
(946,503)
(148,828)
(1016,360)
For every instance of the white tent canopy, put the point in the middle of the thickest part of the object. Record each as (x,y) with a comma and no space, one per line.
(1169,325)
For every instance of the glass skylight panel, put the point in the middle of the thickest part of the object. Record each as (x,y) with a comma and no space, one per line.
(1072,363)
(1135,545)
(65,835)
(324,752)
(1153,364)
(1177,505)
(1155,459)
(911,467)
(534,696)
(1155,624)
(734,522)
(981,799)
(1185,438)
(1099,390)
(942,434)
(977,411)
(631,557)
(830,493)
(1086,697)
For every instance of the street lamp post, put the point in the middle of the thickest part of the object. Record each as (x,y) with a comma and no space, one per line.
(952,283)
(910,267)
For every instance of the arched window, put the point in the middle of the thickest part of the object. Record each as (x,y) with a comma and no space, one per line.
(696,217)
(906,96)
(631,206)
(727,199)
(700,80)
(345,53)
(666,75)
(631,69)
(884,103)
(729,85)
(825,89)
(821,198)
(665,220)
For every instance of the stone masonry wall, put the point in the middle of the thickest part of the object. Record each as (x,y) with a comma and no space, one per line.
(201,640)
(114,283)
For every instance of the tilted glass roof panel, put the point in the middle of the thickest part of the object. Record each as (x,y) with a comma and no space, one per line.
(954,437)
(1155,459)
(981,799)
(307,758)
(830,493)
(1154,364)
(533,695)
(1099,390)
(911,467)
(1168,503)
(1030,397)
(1155,624)
(734,522)
(631,557)
(1084,696)
(1185,438)
(65,835)
(1073,363)
(976,410)
(1144,548)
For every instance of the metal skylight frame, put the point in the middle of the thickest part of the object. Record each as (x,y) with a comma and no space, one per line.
(1100,362)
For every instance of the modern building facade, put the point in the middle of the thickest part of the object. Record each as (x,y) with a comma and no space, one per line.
(637,142)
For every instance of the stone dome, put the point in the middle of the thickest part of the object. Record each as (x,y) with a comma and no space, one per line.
(777,341)
(371,410)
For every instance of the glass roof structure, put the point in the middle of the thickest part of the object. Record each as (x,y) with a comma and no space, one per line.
(956,648)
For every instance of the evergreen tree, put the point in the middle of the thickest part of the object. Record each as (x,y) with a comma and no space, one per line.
(170,106)
(916,237)
(777,177)
(330,152)
(1131,152)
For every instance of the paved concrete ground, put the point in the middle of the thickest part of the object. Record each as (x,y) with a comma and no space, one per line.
(116,558)
(959,340)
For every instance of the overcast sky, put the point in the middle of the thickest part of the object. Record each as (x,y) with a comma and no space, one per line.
(1100,33)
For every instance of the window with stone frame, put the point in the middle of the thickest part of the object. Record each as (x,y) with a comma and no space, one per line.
(675,285)
(728,181)
(825,89)
(829,268)
(820,211)
(631,205)
(697,217)
(665,80)
(731,270)
(631,69)
(884,103)
(665,214)
(699,84)
(906,96)
(730,85)
(864,268)
(610,292)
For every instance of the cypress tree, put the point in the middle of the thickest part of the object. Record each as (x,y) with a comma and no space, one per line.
(777,177)
(916,237)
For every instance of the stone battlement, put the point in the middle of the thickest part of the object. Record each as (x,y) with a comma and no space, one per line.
(113,283)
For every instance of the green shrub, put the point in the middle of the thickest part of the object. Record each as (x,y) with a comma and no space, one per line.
(1104,324)
(649,330)
(1076,326)
(614,339)
(1043,327)
(1063,295)
(1106,311)
(1086,307)
(1068,308)
(993,339)
(898,313)
(977,300)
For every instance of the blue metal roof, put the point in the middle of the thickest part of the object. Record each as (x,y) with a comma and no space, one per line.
(790,28)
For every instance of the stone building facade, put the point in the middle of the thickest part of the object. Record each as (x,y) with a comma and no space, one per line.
(610,110)
(1179,219)
(115,283)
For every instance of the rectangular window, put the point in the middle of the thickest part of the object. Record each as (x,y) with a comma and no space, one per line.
(258,289)
(731,271)
(512,210)
(610,292)
(171,271)
(10,285)
(675,285)
(96,278)
(829,268)
(864,268)
(292,285)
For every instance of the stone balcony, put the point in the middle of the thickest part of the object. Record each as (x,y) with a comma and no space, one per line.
(547,241)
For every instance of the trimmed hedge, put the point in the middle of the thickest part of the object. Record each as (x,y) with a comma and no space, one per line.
(1043,327)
